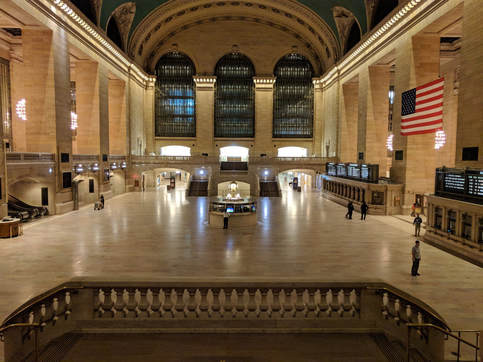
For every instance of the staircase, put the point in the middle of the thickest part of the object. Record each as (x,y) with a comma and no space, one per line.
(269,189)
(198,188)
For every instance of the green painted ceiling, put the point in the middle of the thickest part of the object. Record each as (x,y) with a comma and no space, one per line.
(322,7)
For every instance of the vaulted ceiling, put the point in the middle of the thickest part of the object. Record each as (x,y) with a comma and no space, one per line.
(322,8)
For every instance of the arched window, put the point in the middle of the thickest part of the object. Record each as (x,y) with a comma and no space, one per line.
(113,33)
(354,37)
(175,96)
(234,97)
(383,8)
(293,100)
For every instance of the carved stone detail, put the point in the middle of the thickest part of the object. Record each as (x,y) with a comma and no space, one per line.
(344,20)
(124,16)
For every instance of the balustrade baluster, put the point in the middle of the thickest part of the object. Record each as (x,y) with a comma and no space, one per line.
(311,306)
(215,305)
(240,302)
(420,318)
(120,304)
(276,308)
(300,307)
(98,296)
(264,309)
(168,303)
(179,306)
(108,303)
(339,297)
(228,306)
(288,307)
(409,318)
(155,307)
(142,310)
(43,317)
(385,300)
(397,306)
(347,305)
(131,306)
(203,307)
(252,309)
(55,310)
(191,305)
(68,307)
(323,305)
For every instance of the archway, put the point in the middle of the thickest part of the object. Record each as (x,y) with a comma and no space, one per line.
(234,154)
(165,179)
(292,179)
(292,152)
(233,189)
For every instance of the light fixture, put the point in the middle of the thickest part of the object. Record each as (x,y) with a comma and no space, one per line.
(79,168)
(21,109)
(73,120)
(123,165)
(389,142)
(113,166)
(202,172)
(439,139)
(50,170)
(95,167)
(265,172)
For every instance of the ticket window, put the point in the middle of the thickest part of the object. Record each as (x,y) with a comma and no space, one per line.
(438,218)
(452,222)
(466,226)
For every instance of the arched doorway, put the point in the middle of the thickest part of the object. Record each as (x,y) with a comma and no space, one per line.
(234,189)
(293,179)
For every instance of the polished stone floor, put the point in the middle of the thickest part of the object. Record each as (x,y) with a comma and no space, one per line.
(301,236)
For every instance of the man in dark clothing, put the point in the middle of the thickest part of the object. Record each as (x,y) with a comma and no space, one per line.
(102,200)
(350,209)
(416,256)
(417,225)
(364,209)
(226,215)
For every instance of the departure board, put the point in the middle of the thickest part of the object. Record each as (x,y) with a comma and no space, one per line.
(341,170)
(454,182)
(475,184)
(331,169)
(364,172)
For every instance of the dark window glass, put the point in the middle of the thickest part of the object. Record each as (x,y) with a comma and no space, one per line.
(45,196)
(383,8)
(66,180)
(293,100)
(470,154)
(234,97)
(86,8)
(354,37)
(64,157)
(398,155)
(175,96)
(91,185)
(113,33)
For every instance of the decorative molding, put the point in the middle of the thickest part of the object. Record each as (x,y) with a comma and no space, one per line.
(344,19)
(124,16)
(264,83)
(205,81)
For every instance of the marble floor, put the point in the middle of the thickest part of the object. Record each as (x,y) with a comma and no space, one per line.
(162,235)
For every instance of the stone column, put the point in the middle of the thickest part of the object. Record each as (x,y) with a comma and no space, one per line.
(103,138)
(470,102)
(117,117)
(87,106)
(149,114)
(263,114)
(318,133)
(373,115)
(205,114)
(417,63)
(348,124)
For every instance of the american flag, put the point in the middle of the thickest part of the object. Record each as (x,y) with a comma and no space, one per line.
(422,109)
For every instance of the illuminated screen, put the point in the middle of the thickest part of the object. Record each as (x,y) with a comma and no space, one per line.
(230,209)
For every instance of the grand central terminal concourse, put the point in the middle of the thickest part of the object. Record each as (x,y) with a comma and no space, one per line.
(241,180)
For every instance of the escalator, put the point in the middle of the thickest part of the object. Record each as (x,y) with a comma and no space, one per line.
(23,211)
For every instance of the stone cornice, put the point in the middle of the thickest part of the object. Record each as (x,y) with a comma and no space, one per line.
(205,81)
(264,83)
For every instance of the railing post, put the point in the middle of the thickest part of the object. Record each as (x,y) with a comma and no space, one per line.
(407,344)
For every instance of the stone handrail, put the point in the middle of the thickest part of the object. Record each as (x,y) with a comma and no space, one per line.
(218,306)
(28,157)
(85,158)
(215,159)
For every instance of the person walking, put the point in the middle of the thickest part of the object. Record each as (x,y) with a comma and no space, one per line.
(226,215)
(350,210)
(416,256)
(364,208)
(102,200)
(417,225)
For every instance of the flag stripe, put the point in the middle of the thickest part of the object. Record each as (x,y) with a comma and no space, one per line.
(429,123)
(427,114)
(422,109)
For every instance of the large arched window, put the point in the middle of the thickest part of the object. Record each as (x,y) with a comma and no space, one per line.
(235,97)
(175,96)
(293,100)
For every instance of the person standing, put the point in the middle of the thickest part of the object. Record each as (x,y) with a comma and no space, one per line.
(350,210)
(416,256)
(364,208)
(417,225)
(226,215)
(102,200)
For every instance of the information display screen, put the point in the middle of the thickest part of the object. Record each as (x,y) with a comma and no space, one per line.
(364,172)
(454,183)
(460,184)
(475,184)
(341,170)
(331,169)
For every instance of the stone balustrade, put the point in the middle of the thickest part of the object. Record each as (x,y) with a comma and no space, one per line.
(220,307)
(383,198)
(29,157)
(455,226)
